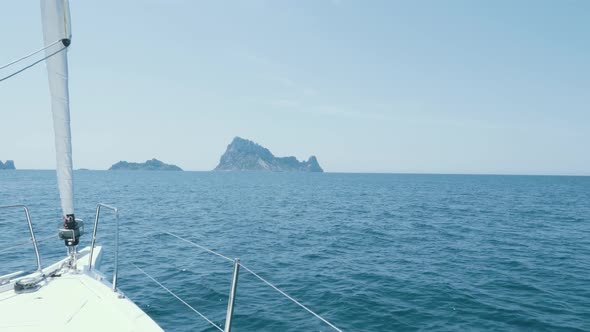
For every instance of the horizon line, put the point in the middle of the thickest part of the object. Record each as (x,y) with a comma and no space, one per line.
(338,172)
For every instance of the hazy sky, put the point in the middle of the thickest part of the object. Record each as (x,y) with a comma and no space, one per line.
(366,86)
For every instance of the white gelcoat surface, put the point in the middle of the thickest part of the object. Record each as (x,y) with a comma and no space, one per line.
(77,300)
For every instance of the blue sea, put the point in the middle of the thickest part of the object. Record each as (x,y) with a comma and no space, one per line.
(369,252)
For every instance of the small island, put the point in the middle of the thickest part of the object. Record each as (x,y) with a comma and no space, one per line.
(9,164)
(149,165)
(245,155)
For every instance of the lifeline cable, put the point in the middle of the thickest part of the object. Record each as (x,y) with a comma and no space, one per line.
(177,297)
(30,240)
(200,246)
(257,276)
(290,298)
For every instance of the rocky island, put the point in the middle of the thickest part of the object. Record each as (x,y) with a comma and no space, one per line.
(149,165)
(245,155)
(9,164)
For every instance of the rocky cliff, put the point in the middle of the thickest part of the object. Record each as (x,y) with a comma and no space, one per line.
(9,164)
(245,155)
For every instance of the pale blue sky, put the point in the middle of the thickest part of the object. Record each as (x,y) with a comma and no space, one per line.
(367,86)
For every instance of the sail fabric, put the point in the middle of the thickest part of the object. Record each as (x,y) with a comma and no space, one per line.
(56,26)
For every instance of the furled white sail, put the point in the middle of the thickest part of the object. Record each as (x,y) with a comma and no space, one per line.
(56,27)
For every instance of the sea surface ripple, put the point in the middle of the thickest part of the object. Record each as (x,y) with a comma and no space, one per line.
(369,252)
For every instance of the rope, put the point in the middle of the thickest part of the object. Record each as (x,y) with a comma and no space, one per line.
(200,246)
(30,54)
(290,298)
(178,298)
(31,65)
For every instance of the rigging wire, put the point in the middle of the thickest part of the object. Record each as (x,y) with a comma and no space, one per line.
(290,298)
(30,240)
(30,54)
(53,236)
(33,64)
(15,246)
(199,246)
(257,276)
(177,297)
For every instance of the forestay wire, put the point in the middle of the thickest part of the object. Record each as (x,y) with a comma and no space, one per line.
(32,64)
(30,54)
(247,269)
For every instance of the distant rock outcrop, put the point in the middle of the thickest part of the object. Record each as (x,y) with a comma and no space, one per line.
(245,155)
(149,165)
(9,164)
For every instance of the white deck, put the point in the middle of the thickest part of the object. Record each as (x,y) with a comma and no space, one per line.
(75,301)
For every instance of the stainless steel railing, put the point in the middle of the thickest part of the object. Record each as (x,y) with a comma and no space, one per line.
(232,294)
(96,219)
(116,269)
(30,230)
